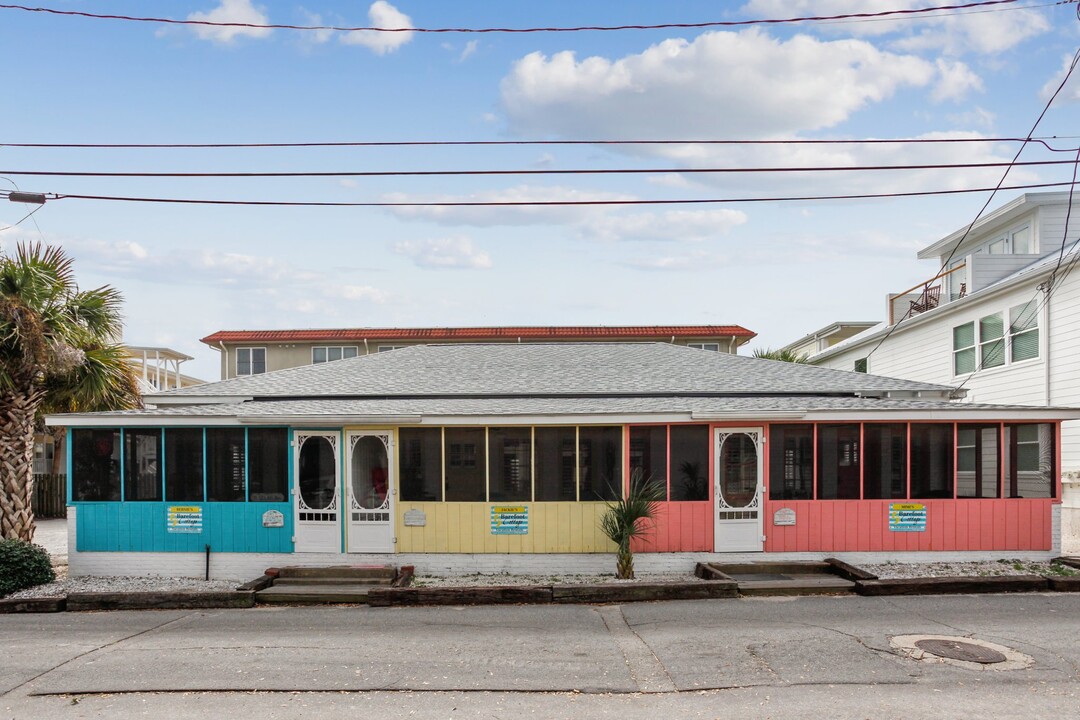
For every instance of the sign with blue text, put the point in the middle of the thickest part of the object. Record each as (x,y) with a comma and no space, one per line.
(184,519)
(509,520)
(907,517)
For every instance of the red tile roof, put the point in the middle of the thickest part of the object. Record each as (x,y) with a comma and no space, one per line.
(481,333)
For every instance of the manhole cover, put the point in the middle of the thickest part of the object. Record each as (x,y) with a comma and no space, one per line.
(957,650)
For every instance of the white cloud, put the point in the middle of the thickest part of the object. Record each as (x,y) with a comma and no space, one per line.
(456,252)
(709,87)
(273,282)
(496,215)
(355,292)
(975,117)
(1071,91)
(382,14)
(676,225)
(984,33)
(470,49)
(231,11)
(955,81)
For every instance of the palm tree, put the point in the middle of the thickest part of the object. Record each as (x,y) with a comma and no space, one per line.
(629,517)
(781,355)
(56,353)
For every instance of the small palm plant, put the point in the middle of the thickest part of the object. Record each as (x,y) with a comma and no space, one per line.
(630,517)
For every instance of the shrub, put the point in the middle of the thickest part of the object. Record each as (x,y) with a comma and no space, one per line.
(23,565)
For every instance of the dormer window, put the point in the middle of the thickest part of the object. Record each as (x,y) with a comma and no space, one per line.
(1017,241)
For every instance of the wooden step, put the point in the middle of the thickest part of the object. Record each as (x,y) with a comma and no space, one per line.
(798,567)
(353,572)
(314,594)
(288,581)
(797,585)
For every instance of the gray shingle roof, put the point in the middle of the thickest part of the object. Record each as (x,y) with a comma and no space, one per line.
(750,405)
(550,370)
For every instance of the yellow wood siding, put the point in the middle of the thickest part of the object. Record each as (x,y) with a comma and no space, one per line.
(555,527)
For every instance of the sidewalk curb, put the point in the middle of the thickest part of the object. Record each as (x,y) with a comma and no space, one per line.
(952,585)
(170,600)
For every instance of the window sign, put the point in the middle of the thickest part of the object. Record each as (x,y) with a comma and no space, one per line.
(184,519)
(509,520)
(907,517)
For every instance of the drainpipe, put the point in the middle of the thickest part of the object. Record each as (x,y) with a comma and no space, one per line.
(1046,339)
(225,356)
(672,339)
(366,351)
(731,347)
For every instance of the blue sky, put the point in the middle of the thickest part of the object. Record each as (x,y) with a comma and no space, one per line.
(780,269)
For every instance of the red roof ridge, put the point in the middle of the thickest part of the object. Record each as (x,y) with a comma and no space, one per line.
(478,333)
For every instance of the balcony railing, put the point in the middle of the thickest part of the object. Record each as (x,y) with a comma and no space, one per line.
(925,296)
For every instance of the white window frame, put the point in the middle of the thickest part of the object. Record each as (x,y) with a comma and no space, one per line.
(1006,339)
(987,345)
(388,348)
(250,362)
(1005,239)
(328,348)
(712,347)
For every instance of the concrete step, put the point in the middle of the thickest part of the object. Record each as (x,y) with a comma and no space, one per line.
(354,572)
(795,584)
(293,581)
(314,594)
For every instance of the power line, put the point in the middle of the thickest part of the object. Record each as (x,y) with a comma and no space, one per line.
(495,143)
(993,193)
(537,203)
(546,171)
(897,13)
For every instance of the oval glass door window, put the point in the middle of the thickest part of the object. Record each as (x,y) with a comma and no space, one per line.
(738,470)
(370,481)
(317,473)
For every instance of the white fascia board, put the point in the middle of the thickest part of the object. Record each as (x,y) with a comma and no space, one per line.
(196,399)
(114,421)
(324,420)
(559,419)
(1034,414)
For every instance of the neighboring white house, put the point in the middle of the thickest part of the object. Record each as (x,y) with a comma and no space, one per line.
(823,339)
(988,323)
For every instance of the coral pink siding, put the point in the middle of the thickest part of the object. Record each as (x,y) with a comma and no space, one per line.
(680,527)
(863,526)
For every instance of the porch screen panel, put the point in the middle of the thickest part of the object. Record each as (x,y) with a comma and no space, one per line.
(142,464)
(183,465)
(420,463)
(556,464)
(977,461)
(649,453)
(838,458)
(95,465)
(510,464)
(465,461)
(600,456)
(268,464)
(689,462)
(884,461)
(225,481)
(1030,460)
(931,460)
(791,462)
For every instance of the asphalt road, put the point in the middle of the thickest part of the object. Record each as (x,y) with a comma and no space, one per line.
(807,657)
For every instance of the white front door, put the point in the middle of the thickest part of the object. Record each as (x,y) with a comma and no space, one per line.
(316,503)
(371,499)
(738,489)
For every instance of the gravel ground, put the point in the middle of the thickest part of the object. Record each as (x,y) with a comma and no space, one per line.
(968,569)
(507,579)
(64,585)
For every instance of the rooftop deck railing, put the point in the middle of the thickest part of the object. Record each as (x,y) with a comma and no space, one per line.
(927,295)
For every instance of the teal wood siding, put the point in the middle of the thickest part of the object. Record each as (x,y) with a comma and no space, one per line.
(141,527)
